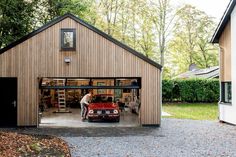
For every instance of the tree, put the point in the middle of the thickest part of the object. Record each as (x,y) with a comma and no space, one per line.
(163,18)
(49,9)
(109,9)
(19,17)
(145,36)
(129,22)
(208,52)
(16,18)
(123,21)
(189,45)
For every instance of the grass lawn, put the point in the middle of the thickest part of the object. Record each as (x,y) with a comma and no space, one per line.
(198,111)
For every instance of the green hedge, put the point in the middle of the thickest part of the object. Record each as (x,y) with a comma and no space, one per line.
(191,90)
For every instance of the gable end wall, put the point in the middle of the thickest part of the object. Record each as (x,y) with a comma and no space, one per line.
(95,56)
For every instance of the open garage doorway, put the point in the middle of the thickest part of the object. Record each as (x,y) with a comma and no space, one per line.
(60,102)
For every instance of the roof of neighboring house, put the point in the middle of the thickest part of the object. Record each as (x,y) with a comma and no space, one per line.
(94,29)
(212,72)
(223,22)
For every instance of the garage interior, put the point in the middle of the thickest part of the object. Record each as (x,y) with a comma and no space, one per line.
(60,100)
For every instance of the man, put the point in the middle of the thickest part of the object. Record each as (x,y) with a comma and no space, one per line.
(84,104)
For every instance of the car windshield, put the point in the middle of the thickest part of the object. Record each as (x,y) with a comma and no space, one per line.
(102,98)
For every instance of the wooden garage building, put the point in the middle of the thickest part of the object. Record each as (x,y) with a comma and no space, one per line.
(90,54)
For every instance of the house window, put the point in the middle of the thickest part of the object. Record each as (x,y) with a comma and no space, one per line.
(68,39)
(226,92)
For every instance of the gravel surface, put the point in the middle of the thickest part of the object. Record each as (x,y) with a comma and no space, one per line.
(175,138)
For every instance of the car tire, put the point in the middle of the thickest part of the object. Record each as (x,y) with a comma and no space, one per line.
(117,120)
(90,120)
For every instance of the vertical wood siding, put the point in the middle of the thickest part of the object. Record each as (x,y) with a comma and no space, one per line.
(225,54)
(95,56)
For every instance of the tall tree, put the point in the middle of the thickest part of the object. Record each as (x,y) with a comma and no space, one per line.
(193,29)
(145,35)
(208,52)
(16,18)
(163,17)
(134,10)
(55,8)
(19,17)
(124,19)
(110,10)
(129,22)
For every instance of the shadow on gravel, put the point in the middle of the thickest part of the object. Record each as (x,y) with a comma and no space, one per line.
(90,132)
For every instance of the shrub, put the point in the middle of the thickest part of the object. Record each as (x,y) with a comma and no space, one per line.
(191,90)
(167,90)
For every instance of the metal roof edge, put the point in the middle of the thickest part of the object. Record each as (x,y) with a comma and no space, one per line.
(33,33)
(223,22)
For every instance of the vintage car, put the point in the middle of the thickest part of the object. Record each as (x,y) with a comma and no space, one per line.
(102,107)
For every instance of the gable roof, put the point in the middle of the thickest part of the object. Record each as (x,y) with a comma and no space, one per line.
(94,29)
(223,22)
(207,73)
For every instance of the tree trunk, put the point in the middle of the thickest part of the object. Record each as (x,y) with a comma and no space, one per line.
(162,59)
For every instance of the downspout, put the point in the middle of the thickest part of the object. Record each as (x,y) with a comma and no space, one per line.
(220,51)
(161,70)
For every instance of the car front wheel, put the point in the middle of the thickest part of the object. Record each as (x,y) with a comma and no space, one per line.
(90,120)
(117,119)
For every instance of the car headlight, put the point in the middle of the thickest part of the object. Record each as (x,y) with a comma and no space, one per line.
(91,112)
(115,111)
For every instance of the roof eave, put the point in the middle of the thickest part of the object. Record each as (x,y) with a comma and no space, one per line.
(110,38)
(33,33)
(223,22)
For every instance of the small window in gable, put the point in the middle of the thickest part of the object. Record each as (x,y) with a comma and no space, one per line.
(68,39)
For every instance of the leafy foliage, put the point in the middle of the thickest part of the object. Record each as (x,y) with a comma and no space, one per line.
(19,17)
(167,90)
(192,90)
(190,44)
(55,8)
(15,19)
(128,21)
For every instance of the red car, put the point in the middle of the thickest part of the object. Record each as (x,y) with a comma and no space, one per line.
(102,107)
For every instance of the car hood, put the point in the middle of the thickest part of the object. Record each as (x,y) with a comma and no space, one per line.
(103,106)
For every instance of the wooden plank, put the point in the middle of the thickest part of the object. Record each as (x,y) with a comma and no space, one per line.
(225,54)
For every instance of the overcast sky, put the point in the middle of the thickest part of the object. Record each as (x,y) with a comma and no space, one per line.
(213,8)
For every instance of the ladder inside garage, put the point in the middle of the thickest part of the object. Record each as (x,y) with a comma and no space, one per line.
(61,94)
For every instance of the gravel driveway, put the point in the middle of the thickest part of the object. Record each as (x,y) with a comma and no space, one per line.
(175,138)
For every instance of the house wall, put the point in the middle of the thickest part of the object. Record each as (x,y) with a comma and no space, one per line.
(228,68)
(95,56)
(225,54)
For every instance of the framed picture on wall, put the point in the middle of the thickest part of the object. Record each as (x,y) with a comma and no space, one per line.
(101,91)
(118,93)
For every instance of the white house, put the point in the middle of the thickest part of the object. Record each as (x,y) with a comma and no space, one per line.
(225,35)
